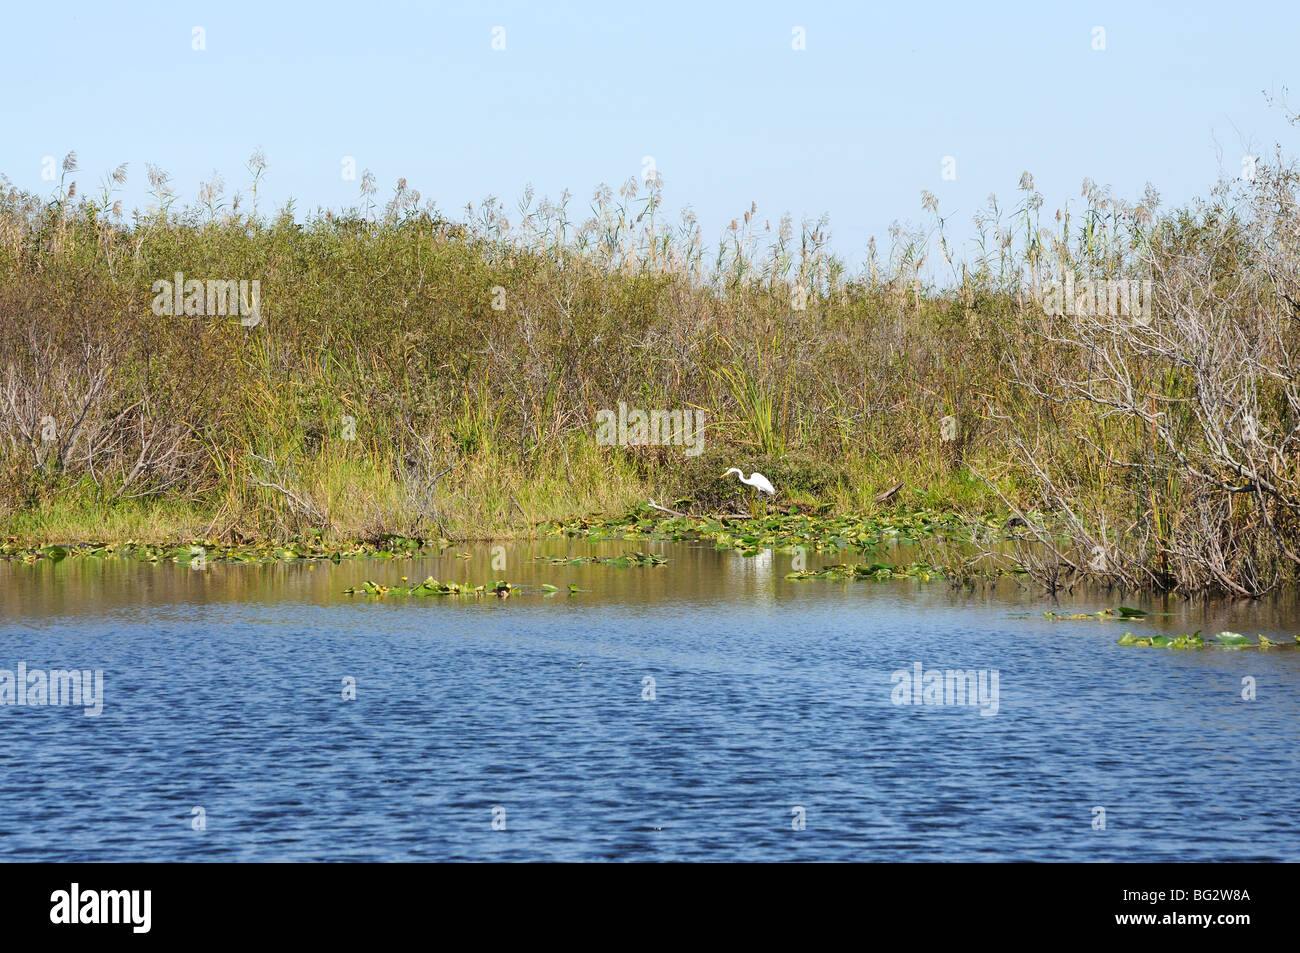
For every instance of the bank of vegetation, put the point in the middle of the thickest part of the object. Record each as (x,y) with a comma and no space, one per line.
(407,374)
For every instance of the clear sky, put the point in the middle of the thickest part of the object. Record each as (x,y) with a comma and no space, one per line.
(854,125)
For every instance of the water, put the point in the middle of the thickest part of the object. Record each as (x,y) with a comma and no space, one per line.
(223,690)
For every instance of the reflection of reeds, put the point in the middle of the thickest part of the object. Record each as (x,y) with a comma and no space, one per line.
(474,408)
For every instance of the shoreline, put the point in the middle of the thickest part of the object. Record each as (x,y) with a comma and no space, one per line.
(746,533)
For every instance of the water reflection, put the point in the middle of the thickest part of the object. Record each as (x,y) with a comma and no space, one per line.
(693,575)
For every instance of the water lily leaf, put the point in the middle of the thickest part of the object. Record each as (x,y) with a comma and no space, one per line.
(1124,612)
(1232,638)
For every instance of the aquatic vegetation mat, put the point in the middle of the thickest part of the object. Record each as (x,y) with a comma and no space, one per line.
(1230,640)
(629,559)
(432,587)
(783,532)
(212,551)
(880,571)
(1104,615)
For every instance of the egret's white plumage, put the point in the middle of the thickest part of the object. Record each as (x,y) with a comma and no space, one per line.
(756,480)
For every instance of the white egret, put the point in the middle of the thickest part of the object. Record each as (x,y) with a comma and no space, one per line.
(756,480)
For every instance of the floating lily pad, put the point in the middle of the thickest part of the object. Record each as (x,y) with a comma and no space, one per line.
(1232,638)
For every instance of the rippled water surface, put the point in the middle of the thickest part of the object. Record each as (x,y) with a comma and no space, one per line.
(772,701)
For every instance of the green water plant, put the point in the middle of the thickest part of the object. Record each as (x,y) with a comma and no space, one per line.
(628,559)
(781,532)
(1123,613)
(214,551)
(1230,640)
(879,571)
(1193,641)
(432,587)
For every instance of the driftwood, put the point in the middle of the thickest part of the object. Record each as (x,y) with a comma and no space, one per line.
(718,516)
(884,497)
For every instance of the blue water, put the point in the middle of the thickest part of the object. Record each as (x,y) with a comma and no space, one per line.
(223,690)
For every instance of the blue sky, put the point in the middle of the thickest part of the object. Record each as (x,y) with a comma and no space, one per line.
(855,125)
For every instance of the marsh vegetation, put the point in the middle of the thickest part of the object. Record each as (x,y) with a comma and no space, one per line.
(418,377)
